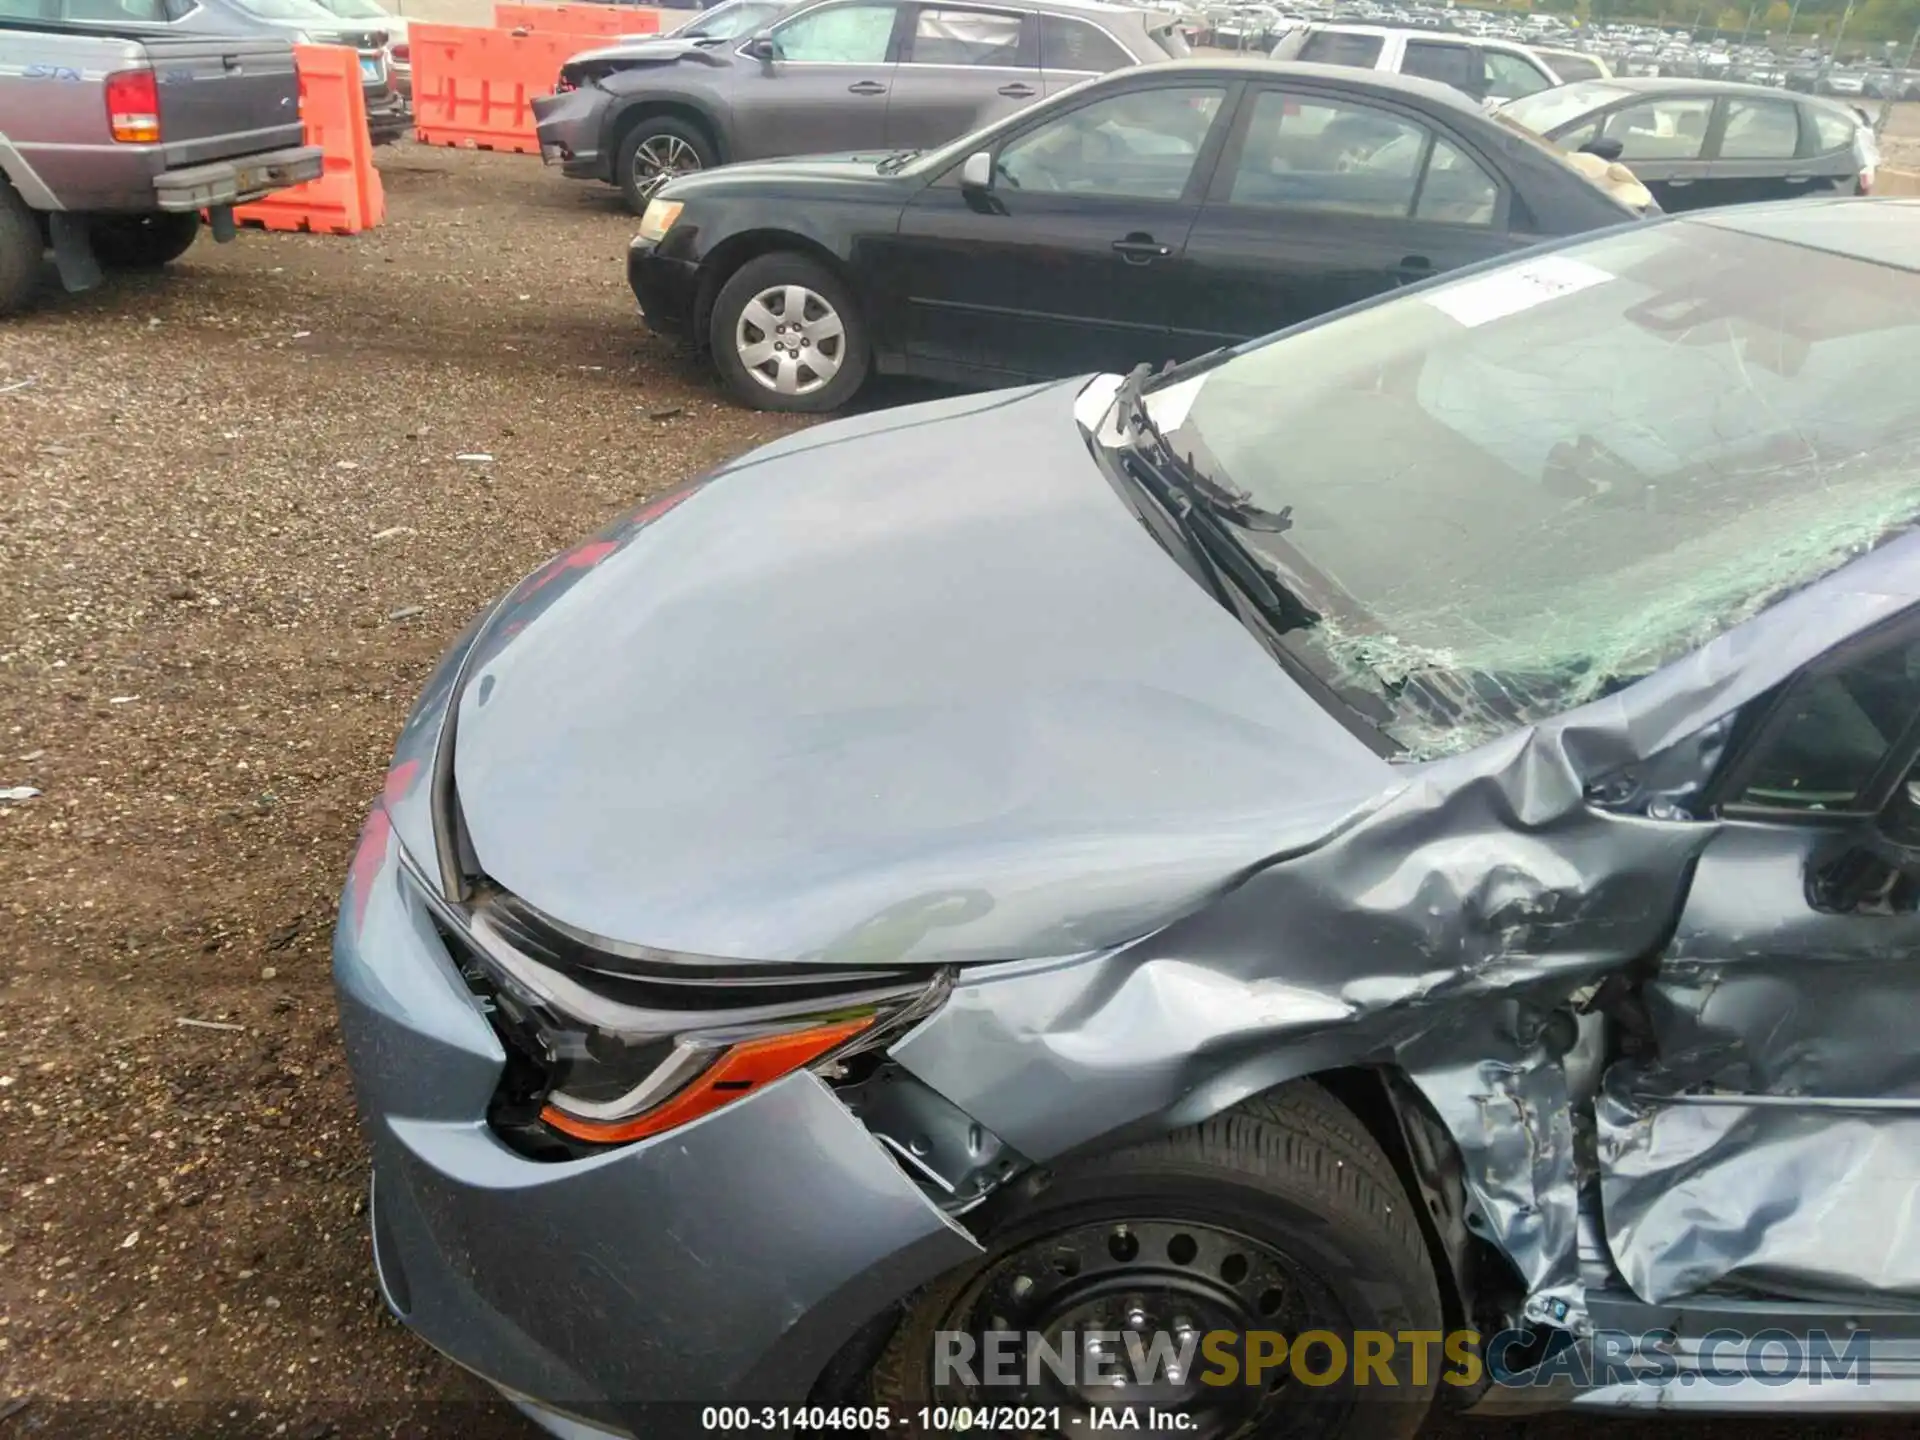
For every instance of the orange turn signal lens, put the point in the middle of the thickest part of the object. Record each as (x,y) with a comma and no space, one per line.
(739,1071)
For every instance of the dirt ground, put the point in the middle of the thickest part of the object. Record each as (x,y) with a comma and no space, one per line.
(239,518)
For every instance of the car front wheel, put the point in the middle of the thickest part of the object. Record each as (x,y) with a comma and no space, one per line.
(658,149)
(1276,1233)
(786,335)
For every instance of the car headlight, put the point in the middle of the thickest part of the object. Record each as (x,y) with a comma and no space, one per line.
(610,1047)
(659,218)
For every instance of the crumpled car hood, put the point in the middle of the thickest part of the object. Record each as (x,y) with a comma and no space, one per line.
(915,686)
(662,51)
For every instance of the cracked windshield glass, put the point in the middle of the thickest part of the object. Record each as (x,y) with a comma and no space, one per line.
(1515,493)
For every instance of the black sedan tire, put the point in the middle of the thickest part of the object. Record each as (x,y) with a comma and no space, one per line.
(786,335)
(1282,1215)
(143,242)
(21,247)
(657,149)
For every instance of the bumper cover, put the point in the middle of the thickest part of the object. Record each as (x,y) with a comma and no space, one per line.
(725,1261)
(569,126)
(233,182)
(667,290)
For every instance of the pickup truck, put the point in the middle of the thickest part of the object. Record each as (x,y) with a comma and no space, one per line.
(113,144)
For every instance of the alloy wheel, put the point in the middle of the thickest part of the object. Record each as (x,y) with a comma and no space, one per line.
(790,339)
(660,158)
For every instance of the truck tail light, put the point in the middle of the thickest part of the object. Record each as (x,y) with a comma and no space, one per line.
(133,107)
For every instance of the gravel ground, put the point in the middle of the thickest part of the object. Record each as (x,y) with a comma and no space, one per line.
(235,531)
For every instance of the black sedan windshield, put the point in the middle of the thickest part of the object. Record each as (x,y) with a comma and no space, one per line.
(1515,492)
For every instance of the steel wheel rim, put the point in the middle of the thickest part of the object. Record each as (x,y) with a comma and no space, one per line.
(790,340)
(660,158)
(1149,1276)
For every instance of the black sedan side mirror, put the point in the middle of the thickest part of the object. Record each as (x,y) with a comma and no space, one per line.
(976,171)
(1606,148)
(761,47)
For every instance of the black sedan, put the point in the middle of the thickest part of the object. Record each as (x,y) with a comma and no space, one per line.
(1695,143)
(1150,215)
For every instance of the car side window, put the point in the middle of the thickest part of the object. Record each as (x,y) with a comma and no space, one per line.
(116,12)
(1510,76)
(840,35)
(1067,44)
(1761,130)
(1311,154)
(1338,47)
(1834,730)
(1674,129)
(1456,191)
(968,37)
(1140,145)
(1834,132)
(1449,64)
(1573,67)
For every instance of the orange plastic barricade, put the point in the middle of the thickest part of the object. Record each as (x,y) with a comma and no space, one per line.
(347,198)
(472,87)
(578,19)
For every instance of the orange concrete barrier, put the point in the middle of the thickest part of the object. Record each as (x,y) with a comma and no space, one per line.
(578,19)
(347,198)
(472,87)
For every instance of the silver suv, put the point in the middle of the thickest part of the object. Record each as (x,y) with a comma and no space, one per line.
(837,76)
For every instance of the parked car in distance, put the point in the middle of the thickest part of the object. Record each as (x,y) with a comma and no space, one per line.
(113,141)
(833,76)
(1484,68)
(399,53)
(1150,215)
(1695,143)
(1150,856)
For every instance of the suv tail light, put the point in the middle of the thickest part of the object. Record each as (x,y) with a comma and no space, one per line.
(402,54)
(133,107)
(1866,183)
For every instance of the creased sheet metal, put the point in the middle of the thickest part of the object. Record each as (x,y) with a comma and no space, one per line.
(1453,928)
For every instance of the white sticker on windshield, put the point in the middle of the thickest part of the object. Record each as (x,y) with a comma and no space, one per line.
(1508,292)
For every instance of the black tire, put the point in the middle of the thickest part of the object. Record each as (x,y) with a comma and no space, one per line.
(776,272)
(685,148)
(143,242)
(21,247)
(1292,1171)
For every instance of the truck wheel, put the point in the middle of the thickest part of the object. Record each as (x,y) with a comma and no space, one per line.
(657,149)
(21,247)
(1279,1221)
(786,335)
(143,242)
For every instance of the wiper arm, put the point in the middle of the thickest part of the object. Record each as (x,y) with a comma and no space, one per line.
(895,161)
(1198,506)
(1229,502)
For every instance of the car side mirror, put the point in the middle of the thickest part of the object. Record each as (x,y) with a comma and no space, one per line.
(1607,148)
(976,172)
(1874,869)
(762,47)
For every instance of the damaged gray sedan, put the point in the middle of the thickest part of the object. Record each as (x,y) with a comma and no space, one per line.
(1381,866)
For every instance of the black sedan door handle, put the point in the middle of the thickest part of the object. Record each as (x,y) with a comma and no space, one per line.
(867,87)
(1018,91)
(1139,249)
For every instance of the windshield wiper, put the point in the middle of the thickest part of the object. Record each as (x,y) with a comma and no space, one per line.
(1229,502)
(1202,508)
(897,160)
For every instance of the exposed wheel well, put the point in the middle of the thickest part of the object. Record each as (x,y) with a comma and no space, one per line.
(736,250)
(627,119)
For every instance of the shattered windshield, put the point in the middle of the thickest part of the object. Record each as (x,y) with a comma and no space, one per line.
(1518,492)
